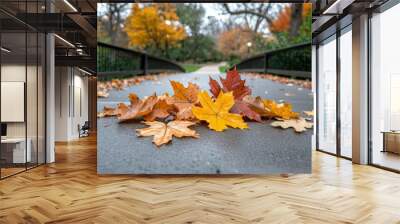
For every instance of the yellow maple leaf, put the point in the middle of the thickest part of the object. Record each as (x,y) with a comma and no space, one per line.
(281,110)
(216,113)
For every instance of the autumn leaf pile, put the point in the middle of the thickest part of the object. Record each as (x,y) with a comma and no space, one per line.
(230,104)
(103,88)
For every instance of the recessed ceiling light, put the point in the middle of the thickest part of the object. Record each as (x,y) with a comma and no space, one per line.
(86,72)
(5,50)
(70,5)
(64,40)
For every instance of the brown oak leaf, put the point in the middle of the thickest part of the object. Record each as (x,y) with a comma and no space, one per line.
(163,133)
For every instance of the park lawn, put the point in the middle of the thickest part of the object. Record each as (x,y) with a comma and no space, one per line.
(191,67)
(223,68)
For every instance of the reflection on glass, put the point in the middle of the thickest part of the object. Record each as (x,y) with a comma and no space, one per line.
(31,97)
(14,153)
(327,96)
(386,89)
(22,90)
(346,93)
(41,99)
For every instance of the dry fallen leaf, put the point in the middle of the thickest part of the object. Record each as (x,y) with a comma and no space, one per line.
(118,84)
(256,107)
(281,110)
(160,110)
(107,112)
(234,83)
(184,98)
(309,113)
(216,113)
(138,108)
(299,125)
(102,93)
(163,132)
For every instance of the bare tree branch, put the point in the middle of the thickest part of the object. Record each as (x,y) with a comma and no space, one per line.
(246,11)
(296,19)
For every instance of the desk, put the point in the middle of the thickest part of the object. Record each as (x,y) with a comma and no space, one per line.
(18,150)
(391,141)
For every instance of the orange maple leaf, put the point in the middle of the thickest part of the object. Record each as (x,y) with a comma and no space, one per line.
(184,99)
(138,108)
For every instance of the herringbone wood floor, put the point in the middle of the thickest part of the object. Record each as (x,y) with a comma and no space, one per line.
(70,191)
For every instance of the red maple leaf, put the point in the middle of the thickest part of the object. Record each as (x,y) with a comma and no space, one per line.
(233,83)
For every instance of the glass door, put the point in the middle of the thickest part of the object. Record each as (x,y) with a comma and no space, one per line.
(346,92)
(327,95)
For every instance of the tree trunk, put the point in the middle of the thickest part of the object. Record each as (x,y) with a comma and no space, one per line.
(296,19)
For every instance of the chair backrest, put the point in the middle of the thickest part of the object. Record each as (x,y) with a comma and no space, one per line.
(86,125)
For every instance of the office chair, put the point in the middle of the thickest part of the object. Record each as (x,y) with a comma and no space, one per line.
(84,130)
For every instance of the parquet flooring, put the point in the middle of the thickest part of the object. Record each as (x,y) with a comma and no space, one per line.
(70,191)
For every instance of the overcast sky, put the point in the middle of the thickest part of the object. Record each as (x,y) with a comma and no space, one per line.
(210,8)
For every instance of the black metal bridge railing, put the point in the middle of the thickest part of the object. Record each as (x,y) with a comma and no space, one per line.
(118,61)
(294,61)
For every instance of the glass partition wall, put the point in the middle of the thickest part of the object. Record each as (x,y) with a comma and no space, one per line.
(327,95)
(334,94)
(22,77)
(345,92)
(385,89)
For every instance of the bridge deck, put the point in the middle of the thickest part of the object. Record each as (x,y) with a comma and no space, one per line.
(261,149)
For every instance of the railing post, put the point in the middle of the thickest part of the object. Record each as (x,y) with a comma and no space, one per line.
(265,63)
(144,64)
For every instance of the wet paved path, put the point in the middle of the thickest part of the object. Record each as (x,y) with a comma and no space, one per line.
(260,149)
(210,69)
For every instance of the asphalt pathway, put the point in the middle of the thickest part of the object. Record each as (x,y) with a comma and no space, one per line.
(261,149)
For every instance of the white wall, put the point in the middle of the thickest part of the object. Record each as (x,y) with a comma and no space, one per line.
(71,102)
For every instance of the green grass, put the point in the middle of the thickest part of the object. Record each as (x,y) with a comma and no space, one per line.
(223,68)
(191,67)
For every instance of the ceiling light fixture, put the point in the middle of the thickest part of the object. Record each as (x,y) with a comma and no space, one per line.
(64,40)
(70,5)
(5,50)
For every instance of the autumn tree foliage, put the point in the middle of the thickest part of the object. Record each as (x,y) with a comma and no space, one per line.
(233,42)
(154,26)
(283,21)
